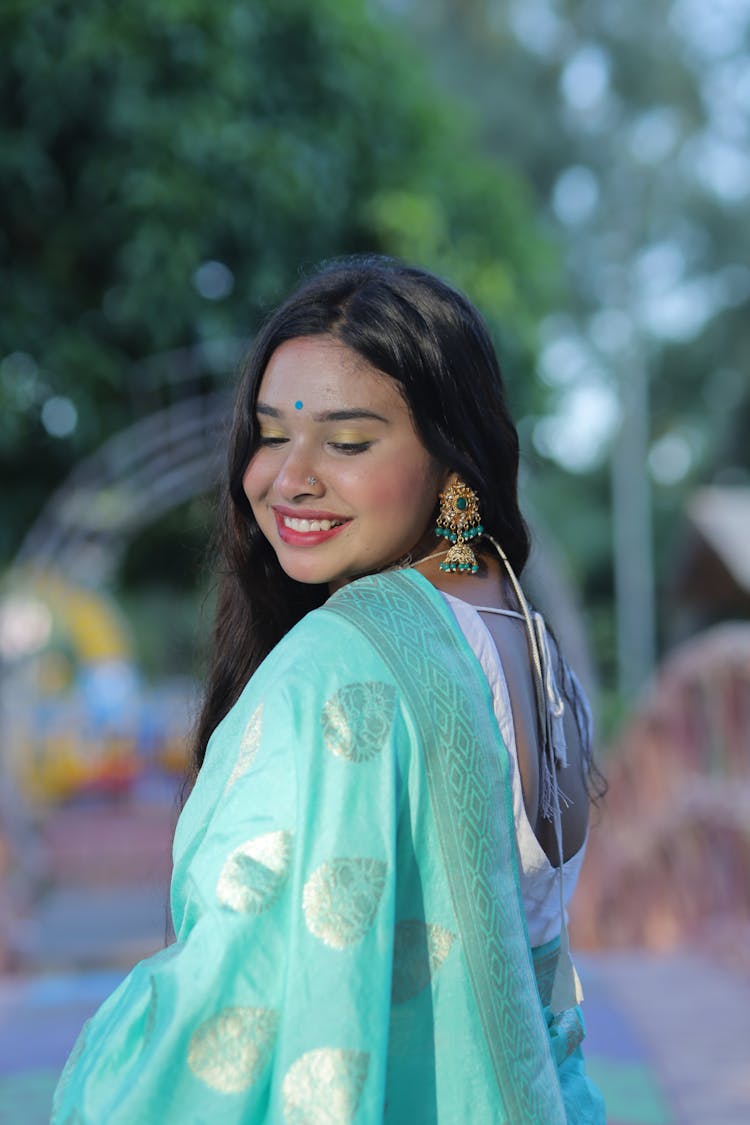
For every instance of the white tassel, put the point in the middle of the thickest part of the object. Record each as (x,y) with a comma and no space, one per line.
(555,702)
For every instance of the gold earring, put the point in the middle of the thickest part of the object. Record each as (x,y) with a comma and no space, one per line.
(459,520)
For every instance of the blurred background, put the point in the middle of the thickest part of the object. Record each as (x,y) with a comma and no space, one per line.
(581,169)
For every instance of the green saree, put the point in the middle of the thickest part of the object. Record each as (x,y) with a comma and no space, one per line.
(351,944)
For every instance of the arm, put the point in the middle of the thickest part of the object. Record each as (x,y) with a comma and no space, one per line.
(276,996)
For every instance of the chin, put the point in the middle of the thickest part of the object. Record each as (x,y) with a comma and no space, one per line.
(307,573)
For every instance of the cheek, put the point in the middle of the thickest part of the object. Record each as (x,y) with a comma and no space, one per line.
(404,491)
(253,480)
(247,482)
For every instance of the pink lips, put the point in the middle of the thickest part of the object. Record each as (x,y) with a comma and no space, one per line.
(297,538)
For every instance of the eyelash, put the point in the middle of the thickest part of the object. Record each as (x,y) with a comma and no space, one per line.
(348,448)
(351,447)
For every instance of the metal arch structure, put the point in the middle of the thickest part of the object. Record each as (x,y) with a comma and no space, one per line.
(135,477)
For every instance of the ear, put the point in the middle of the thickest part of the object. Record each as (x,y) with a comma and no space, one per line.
(449,476)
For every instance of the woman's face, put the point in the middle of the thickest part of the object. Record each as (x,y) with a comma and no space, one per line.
(340,484)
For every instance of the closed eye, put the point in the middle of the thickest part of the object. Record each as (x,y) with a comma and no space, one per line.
(350,447)
(271,440)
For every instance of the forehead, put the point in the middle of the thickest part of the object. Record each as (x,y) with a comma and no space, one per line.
(318,372)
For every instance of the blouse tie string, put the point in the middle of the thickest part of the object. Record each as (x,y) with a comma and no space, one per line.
(566,986)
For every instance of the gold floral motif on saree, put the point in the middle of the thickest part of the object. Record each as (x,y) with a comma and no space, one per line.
(357,720)
(249,746)
(323,1087)
(229,1051)
(340,899)
(255,872)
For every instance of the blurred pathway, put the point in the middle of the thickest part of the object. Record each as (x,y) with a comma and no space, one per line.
(667,1038)
(684,1051)
(40,1018)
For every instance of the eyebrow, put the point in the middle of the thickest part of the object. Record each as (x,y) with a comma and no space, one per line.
(327,415)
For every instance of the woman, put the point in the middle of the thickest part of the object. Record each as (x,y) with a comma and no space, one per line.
(354,928)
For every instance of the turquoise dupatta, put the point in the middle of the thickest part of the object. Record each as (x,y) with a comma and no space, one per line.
(351,945)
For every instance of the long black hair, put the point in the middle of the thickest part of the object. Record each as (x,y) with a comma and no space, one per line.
(433,343)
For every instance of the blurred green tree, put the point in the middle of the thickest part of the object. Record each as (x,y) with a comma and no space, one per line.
(631,122)
(167,169)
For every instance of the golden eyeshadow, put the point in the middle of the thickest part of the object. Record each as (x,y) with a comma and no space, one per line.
(349,438)
(266,433)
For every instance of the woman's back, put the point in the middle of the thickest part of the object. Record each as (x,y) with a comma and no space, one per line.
(506,626)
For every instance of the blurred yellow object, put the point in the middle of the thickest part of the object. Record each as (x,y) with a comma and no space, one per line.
(59,769)
(63,642)
(80,719)
(56,773)
(172,755)
(96,630)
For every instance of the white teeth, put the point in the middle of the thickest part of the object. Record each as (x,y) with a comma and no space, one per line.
(310,525)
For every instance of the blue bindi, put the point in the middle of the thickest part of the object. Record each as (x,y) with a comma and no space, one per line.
(298,404)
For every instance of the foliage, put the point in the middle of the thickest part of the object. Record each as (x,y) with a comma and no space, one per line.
(167,170)
(631,121)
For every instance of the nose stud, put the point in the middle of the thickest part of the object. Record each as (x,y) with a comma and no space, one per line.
(312,480)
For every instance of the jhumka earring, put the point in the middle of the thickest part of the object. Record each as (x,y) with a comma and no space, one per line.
(459,520)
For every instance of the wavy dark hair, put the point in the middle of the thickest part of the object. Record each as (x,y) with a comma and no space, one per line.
(432,342)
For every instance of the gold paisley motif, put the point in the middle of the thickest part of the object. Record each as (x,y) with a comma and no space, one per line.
(419,950)
(323,1087)
(340,899)
(229,1051)
(249,745)
(357,720)
(255,872)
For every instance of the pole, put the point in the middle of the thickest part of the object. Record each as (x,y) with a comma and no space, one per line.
(633,542)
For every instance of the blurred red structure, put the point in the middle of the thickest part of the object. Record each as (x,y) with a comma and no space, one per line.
(669,862)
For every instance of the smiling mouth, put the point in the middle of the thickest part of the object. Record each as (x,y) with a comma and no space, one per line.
(295,524)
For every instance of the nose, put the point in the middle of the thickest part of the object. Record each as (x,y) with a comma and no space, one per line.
(298,476)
